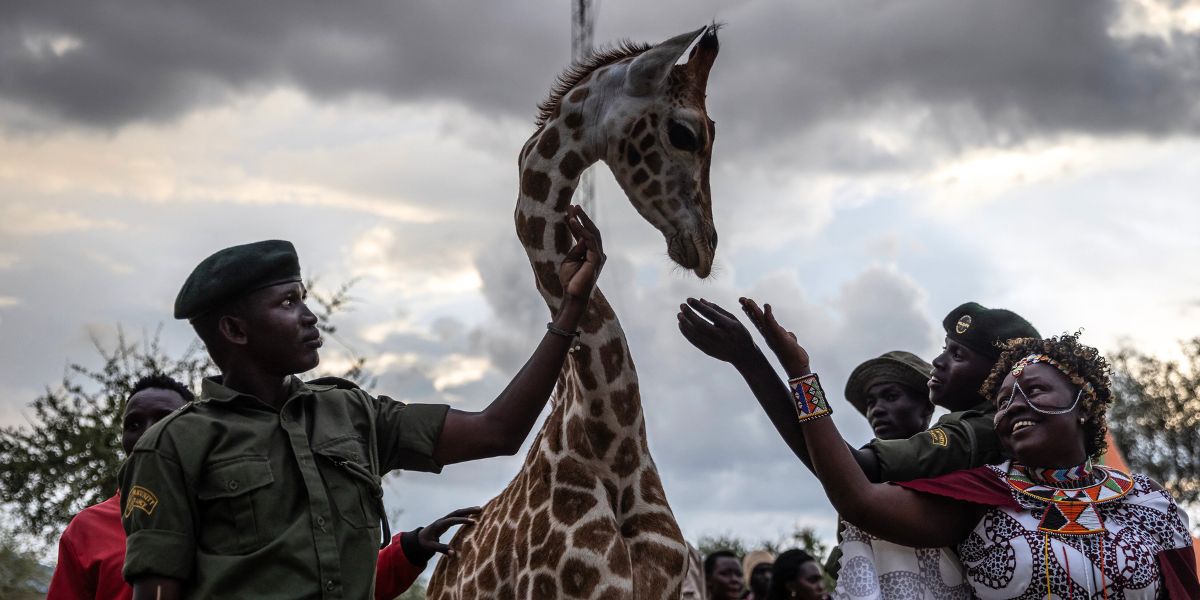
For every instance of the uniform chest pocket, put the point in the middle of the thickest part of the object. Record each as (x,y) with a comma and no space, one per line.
(231,502)
(354,490)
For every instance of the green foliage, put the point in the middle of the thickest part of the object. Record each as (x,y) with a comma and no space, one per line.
(1156,418)
(67,458)
(804,538)
(22,577)
(416,592)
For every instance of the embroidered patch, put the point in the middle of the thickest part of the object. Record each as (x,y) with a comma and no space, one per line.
(964,323)
(939,437)
(141,499)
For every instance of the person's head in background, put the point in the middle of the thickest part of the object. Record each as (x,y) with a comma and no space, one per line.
(797,576)
(153,397)
(892,392)
(723,576)
(756,572)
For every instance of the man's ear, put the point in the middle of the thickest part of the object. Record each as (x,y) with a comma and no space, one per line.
(233,330)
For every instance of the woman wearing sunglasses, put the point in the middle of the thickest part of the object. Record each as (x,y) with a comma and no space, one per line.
(1048,523)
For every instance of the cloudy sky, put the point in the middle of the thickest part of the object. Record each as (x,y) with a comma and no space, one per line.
(878,163)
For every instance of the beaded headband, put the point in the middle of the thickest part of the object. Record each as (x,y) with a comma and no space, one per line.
(1085,386)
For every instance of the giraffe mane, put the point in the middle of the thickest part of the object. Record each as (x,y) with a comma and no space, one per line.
(577,71)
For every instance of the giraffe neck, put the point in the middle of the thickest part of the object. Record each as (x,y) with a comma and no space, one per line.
(598,392)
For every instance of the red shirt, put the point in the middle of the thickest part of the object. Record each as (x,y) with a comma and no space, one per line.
(395,572)
(91,553)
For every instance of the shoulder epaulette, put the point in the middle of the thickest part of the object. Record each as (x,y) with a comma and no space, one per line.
(338,382)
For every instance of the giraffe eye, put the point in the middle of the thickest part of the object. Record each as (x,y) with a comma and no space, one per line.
(682,137)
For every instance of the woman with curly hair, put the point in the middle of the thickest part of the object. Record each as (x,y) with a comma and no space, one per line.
(1048,523)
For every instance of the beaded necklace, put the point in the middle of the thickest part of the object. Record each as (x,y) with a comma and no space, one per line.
(1068,500)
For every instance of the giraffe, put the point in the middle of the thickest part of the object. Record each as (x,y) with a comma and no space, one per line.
(587,517)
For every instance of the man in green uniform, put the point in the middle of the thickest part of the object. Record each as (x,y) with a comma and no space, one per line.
(268,487)
(959,440)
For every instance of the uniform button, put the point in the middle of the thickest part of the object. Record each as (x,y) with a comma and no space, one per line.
(329,585)
(232,485)
(320,521)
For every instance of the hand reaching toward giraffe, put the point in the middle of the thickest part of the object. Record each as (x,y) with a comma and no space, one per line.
(430,536)
(581,267)
(782,342)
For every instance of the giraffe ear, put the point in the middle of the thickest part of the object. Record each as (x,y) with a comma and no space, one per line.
(648,71)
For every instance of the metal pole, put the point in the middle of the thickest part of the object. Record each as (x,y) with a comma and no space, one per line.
(582,22)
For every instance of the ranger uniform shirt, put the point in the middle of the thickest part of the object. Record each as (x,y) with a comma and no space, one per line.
(240,500)
(960,440)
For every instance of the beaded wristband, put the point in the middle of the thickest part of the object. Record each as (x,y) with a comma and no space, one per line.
(809,398)
(571,335)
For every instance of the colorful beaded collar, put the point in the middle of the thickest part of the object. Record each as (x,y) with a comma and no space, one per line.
(1071,510)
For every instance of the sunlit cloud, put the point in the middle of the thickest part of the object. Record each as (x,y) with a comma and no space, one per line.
(25,220)
(457,370)
(8,301)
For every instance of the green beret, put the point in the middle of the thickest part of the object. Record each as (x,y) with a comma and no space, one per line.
(233,272)
(980,328)
(896,366)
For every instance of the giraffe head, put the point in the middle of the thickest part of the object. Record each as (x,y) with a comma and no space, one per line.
(659,143)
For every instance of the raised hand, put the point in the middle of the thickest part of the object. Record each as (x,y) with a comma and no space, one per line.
(715,332)
(430,535)
(782,342)
(583,262)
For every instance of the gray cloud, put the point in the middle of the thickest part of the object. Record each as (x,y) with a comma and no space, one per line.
(792,80)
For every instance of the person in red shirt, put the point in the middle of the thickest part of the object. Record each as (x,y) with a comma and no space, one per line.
(402,561)
(91,550)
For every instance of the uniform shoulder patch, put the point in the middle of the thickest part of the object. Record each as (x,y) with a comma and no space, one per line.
(141,499)
(939,437)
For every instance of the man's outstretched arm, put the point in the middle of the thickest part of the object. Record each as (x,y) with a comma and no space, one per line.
(719,334)
(502,427)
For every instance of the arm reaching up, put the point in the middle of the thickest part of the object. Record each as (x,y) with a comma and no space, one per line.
(505,423)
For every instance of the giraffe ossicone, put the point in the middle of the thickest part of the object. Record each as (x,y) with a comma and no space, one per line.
(587,517)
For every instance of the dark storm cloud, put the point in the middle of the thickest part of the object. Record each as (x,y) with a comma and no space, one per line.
(791,78)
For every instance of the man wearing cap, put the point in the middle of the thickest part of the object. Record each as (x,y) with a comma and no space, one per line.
(892,392)
(959,440)
(268,487)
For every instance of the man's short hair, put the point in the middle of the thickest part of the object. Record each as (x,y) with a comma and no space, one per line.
(162,382)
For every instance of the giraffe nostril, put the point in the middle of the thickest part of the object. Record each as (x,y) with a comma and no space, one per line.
(713,238)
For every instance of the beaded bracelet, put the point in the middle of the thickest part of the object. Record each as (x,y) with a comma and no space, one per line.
(571,335)
(809,398)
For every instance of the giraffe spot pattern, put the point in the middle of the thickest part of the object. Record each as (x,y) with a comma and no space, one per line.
(573,120)
(594,535)
(535,185)
(579,579)
(577,438)
(582,359)
(564,198)
(569,506)
(600,437)
(653,189)
(531,231)
(562,239)
(612,358)
(547,276)
(571,165)
(640,176)
(626,404)
(547,145)
(654,162)
(579,95)
(627,459)
(633,157)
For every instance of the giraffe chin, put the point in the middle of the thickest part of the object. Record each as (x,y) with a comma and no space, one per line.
(685,251)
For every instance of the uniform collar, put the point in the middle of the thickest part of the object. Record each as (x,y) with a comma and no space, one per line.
(213,390)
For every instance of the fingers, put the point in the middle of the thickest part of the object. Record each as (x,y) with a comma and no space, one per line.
(441,525)
(692,319)
(706,310)
(717,307)
(584,229)
(466,512)
(439,547)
